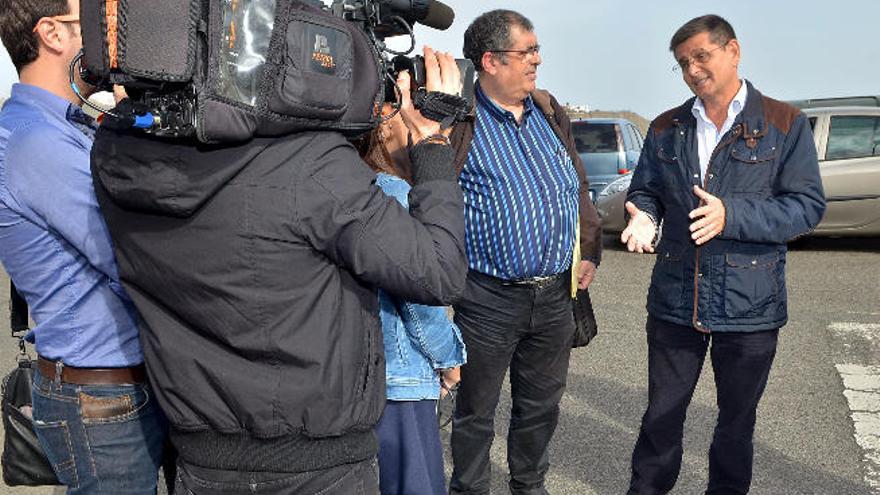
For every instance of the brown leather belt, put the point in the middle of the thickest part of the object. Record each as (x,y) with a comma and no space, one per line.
(92,376)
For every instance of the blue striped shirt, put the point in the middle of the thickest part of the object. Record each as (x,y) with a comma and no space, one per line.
(520,195)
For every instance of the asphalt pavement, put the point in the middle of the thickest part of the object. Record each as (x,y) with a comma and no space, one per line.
(818,428)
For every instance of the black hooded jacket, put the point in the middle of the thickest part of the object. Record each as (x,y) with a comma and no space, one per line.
(255,270)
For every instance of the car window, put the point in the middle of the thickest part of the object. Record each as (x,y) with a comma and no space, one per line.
(632,144)
(852,137)
(638,135)
(594,138)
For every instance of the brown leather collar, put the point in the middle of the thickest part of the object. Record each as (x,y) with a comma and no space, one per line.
(92,376)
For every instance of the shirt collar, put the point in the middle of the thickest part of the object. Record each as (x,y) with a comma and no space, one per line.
(736,106)
(76,115)
(50,102)
(495,110)
(53,105)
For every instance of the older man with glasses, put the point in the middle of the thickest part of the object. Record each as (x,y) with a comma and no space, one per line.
(93,412)
(732,176)
(524,188)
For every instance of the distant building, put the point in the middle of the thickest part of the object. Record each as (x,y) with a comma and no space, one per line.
(577,108)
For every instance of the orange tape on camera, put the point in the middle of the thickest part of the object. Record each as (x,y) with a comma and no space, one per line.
(112,33)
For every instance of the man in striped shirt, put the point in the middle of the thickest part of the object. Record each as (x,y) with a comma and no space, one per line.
(524,189)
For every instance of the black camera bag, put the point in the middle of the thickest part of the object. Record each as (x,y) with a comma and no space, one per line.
(24,463)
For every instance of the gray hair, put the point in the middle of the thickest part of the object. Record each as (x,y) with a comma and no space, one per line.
(491,31)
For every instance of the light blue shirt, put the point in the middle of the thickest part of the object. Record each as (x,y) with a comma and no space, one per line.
(708,135)
(54,243)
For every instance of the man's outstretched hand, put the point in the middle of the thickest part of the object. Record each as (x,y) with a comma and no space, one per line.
(640,232)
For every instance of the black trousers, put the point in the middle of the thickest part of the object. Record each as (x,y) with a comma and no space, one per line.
(741,363)
(529,330)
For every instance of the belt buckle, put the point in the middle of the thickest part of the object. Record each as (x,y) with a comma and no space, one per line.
(541,283)
(537,283)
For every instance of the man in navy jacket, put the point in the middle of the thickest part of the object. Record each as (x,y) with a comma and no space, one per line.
(731,176)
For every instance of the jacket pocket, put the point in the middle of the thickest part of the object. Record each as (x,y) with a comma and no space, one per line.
(667,280)
(752,170)
(750,283)
(753,156)
(370,397)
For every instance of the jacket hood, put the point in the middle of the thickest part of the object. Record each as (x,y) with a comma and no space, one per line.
(167,177)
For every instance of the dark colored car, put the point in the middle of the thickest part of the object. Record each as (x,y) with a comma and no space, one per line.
(609,148)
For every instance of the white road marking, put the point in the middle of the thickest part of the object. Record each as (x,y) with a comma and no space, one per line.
(868,331)
(862,391)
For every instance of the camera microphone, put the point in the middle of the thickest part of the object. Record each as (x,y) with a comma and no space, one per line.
(431,13)
(438,15)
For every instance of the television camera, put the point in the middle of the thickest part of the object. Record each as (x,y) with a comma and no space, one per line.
(228,70)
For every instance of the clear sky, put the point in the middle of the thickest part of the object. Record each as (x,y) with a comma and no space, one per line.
(612,54)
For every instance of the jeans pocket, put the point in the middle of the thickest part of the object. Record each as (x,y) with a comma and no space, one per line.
(55,439)
(114,405)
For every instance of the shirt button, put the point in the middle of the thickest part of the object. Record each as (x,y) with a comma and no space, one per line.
(696,176)
(700,275)
(711,176)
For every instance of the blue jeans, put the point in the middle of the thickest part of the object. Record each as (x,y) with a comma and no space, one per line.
(100,439)
(361,478)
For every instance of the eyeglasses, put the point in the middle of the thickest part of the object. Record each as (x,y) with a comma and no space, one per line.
(701,57)
(531,51)
(64,19)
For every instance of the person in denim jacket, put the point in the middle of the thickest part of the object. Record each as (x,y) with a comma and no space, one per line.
(423,348)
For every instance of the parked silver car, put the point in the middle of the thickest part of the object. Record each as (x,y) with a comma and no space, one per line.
(848,144)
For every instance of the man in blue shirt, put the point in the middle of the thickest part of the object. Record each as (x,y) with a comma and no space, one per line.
(524,191)
(93,413)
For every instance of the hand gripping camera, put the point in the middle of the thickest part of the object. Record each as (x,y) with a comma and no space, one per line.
(229,70)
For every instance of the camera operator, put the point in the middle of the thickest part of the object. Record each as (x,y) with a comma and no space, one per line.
(256,267)
(93,413)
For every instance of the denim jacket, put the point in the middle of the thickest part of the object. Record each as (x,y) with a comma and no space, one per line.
(418,339)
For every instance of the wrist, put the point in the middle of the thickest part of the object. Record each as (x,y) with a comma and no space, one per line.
(436,138)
